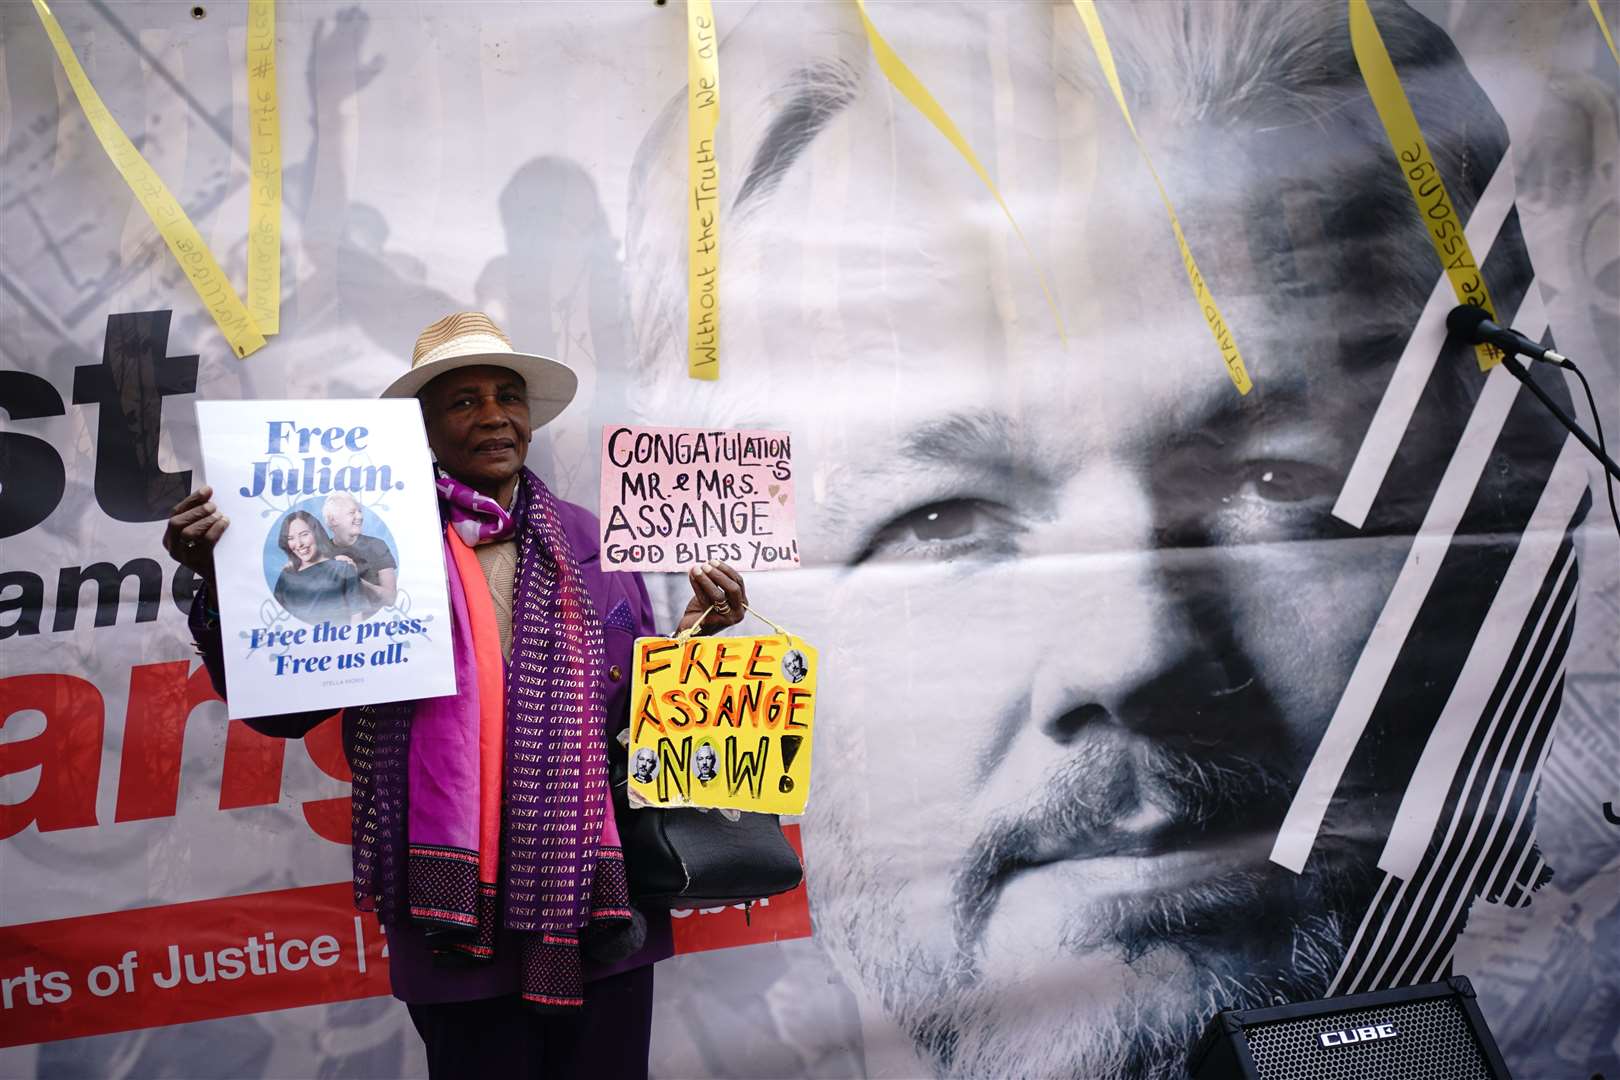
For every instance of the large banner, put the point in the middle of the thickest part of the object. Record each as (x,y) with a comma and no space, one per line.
(1137,696)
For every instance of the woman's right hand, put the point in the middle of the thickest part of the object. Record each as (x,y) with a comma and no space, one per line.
(195,526)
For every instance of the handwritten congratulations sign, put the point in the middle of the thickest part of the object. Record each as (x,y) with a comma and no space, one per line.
(723,722)
(672,497)
(331,574)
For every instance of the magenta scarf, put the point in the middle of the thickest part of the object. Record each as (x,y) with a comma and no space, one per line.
(416,784)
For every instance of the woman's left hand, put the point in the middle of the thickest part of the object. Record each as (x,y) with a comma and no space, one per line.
(714,584)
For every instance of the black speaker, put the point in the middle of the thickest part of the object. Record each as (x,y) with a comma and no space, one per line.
(1429,1032)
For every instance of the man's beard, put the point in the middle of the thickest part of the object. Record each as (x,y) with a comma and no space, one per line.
(1255,936)
(1178,976)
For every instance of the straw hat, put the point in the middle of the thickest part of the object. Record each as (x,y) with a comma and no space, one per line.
(471,339)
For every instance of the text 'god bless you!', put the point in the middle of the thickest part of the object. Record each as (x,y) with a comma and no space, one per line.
(315,477)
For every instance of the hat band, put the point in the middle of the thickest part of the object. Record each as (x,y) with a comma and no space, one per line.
(470,344)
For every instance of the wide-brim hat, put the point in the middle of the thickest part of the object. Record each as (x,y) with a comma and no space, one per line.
(471,339)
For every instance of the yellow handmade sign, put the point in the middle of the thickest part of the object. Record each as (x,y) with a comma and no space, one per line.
(723,722)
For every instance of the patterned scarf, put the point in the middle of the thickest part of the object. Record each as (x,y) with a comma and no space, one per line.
(426,804)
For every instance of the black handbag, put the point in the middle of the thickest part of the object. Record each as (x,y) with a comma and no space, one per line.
(688,858)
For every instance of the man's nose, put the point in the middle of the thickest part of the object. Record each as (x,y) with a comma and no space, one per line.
(1144,623)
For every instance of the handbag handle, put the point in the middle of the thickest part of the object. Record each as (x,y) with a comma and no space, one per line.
(684,635)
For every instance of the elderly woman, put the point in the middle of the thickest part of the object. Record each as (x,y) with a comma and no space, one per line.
(493,860)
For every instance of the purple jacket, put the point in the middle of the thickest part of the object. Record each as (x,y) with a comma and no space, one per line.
(626,611)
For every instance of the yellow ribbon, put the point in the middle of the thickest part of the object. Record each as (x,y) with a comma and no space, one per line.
(703,177)
(912,89)
(264,133)
(1603,24)
(1218,328)
(171,221)
(1429,193)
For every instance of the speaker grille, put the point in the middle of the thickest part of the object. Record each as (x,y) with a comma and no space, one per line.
(1433,1042)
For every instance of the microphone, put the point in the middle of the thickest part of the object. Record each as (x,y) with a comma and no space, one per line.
(1473,324)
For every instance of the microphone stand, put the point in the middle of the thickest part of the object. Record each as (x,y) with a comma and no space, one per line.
(1511,362)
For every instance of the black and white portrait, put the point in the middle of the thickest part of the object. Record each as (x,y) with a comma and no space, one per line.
(705,762)
(1135,696)
(1139,597)
(645,765)
(794,666)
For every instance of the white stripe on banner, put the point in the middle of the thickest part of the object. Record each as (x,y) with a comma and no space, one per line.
(1303,821)
(1469,875)
(1417,361)
(1440,952)
(1516,880)
(1530,879)
(1424,897)
(1361,931)
(1425,796)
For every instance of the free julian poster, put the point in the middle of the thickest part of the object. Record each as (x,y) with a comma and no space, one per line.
(331,572)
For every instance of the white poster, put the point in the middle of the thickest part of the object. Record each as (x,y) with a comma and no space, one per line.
(331,575)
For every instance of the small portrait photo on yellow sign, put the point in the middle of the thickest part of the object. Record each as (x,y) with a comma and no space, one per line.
(723,722)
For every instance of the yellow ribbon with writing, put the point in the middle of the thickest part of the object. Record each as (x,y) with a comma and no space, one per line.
(1417,163)
(1230,356)
(912,89)
(198,263)
(703,177)
(264,140)
(1603,24)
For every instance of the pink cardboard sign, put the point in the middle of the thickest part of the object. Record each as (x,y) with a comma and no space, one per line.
(672,497)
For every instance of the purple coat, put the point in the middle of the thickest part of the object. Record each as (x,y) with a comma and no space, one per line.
(626,611)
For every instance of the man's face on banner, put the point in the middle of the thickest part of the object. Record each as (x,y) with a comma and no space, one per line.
(1122,615)
(1089,612)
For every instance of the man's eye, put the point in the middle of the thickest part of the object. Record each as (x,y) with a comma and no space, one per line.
(947,529)
(1278,481)
(941,521)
